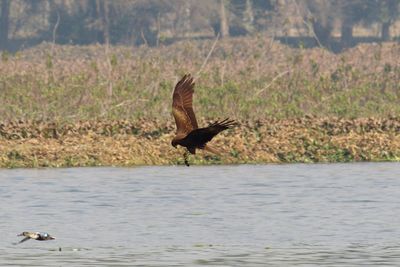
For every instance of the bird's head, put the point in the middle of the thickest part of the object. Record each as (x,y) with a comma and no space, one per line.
(46,236)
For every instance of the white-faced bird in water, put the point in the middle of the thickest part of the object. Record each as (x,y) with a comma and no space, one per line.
(40,236)
(188,133)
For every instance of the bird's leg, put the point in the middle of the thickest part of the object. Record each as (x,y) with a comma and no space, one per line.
(185,157)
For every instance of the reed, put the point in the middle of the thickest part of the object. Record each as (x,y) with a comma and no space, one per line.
(245,78)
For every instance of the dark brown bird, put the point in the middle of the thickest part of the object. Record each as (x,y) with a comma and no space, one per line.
(188,133)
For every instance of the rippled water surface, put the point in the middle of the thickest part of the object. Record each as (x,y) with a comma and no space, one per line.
(246,215)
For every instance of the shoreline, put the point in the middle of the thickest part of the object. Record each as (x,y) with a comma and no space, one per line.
(27,144)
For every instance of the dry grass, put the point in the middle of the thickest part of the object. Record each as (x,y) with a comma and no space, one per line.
(245,78)
(122,143)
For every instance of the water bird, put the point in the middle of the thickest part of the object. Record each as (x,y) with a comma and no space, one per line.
(188,133)
(40,236)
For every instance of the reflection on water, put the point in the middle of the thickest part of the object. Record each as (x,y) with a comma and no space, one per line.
(247,215)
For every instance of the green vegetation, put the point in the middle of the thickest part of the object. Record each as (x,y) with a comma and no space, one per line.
(92,106)
(243,79)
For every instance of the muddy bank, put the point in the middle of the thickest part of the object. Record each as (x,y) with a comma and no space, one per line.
(130,143)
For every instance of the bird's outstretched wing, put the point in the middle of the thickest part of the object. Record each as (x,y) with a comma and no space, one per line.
(204,135)
(182,106)
(23,240)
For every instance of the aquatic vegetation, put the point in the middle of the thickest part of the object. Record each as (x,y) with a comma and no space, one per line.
(83,105)
(125,143)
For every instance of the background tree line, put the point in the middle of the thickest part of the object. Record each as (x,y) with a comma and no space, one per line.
(152,22)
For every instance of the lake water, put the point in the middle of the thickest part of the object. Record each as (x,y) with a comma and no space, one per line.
(245,215)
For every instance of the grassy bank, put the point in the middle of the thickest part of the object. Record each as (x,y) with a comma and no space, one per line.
(125,143)
(93,105)
(245,78)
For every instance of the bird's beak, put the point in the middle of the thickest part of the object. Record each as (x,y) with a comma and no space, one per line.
(20,235)
(52,237)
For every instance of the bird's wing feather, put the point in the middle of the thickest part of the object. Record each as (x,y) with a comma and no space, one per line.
(182,106)
(204,135)
(23,240)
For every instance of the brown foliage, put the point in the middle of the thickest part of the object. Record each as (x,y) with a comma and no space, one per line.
(125,143)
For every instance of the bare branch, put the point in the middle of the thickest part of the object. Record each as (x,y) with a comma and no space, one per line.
(54,33)
(208,56)
(273,80)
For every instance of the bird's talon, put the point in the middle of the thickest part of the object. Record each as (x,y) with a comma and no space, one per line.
(185,157)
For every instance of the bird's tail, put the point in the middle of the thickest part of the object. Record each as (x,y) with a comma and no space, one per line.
(212,150)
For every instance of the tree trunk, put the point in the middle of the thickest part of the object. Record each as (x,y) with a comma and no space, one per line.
(322,32)
(346,34)
(4,23)
(248,17)
(185,19)
(103,14)
(224,25)
(385,34)
(106,23)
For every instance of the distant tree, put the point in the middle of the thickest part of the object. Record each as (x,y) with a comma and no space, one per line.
(224,20)
(265,13)
(389,12)
(151,22)
(323,14)
(183,19)
(384,12)
(102,7)
(144,20)
(79,22)
(248,17)
(351,13)
(4,23)
(205,16)
(320,14)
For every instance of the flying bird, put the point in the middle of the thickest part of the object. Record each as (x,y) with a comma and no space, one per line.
(188,133)
(40,236)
